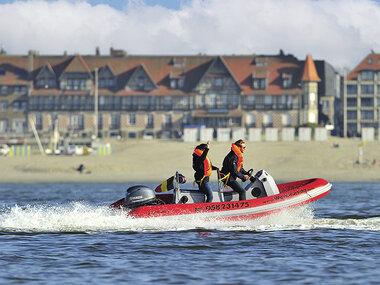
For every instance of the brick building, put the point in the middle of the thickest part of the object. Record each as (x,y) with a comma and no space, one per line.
(159,95)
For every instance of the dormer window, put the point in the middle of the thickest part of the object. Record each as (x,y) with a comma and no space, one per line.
(260,61)
(141,82)
(2,71)
(259,83)
(173,83)
(286,80)
(370,61)
(106,83)
(179,62)
(76,84)
(46,83)
(176,83)
(218,82)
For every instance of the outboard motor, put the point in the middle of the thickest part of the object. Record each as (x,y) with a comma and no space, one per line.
(140,195)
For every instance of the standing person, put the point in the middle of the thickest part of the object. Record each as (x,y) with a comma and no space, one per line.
(203,168)
(233,168)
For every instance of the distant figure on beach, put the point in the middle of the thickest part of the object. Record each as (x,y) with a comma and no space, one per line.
(203,169)
(233,168)
(80,168)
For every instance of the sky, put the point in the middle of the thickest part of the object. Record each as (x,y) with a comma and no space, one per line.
(342,32)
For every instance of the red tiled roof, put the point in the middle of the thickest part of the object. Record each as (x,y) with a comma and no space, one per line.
(159,69)
(77,64)
(309,70)
(370,62)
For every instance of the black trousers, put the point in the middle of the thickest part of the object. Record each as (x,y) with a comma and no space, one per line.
(237,188)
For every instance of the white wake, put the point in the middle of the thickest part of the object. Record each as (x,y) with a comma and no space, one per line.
(79,217)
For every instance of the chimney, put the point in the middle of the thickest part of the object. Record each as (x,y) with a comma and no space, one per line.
(97,51)
(117,52)
(31,55)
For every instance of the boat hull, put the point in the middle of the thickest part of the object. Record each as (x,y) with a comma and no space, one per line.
(291,195)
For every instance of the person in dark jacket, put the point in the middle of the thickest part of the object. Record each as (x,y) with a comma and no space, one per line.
(233,168)
(203,169)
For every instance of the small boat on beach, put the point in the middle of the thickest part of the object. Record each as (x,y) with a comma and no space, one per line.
(264,197)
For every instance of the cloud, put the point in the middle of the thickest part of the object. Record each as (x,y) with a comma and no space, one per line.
(342,32)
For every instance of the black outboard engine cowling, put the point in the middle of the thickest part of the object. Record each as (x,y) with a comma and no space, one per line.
(140,195)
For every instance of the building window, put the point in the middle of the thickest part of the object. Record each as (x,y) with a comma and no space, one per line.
(186,119)
(366,75)
(4,90)
(352,102)
(259,83)
(2,71)
(173,83)
(352,89)
(76,84)
(251,120)
(251,100)
(268,120)
(3,126)
(366,89)
(132,119)
(366,115)
(268,101)
(181,82)
(16,106)
(218,82)
(111,83)
(150,121)
(46,83)
(141,82)
(370,61)
(351,115)
(168,102)
(168,121)
(115,121)
(102,83)
(366,102)
(286,82)
(4,105)
(76,122)
(286,120)
(39,122)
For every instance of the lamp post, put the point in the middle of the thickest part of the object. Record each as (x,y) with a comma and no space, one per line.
(96,105)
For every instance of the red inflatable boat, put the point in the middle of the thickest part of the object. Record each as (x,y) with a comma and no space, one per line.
(264,197)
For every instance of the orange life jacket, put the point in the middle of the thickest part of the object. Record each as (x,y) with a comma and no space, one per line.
(239,154)
(206,163)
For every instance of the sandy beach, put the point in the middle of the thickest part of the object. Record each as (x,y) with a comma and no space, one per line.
(157,160)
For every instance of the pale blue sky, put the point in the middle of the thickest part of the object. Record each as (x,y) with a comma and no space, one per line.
(120,4)
(342,32)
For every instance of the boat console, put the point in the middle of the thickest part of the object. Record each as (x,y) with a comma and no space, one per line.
(262,185)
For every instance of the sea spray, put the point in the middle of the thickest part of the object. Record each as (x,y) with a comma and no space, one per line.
(80,217)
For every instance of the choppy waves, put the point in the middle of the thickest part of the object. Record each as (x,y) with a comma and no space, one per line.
(79,217)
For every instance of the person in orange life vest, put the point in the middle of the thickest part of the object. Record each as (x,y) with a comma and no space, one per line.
(233,165)
(203,168)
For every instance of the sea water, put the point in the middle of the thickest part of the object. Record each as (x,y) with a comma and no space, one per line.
(57,233)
